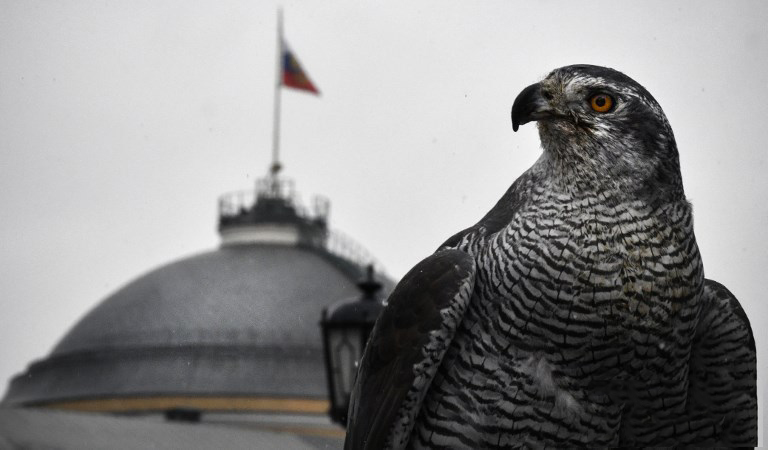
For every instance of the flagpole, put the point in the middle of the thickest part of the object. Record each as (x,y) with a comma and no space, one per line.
(275,167)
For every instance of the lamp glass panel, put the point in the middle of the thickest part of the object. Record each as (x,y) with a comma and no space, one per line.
(345,349)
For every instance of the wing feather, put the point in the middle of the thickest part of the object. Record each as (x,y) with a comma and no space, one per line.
(405,349)
(723,369)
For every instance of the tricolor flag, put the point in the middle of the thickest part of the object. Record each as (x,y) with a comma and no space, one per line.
(293,75)
(288,72)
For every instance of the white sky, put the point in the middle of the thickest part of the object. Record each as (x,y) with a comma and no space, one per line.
(122,122)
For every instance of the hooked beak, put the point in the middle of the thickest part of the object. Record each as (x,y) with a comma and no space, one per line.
(529,106)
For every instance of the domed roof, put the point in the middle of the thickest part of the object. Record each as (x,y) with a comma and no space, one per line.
(239,321)
(252,294)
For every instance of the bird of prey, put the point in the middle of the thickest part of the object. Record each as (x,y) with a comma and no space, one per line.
(574,313)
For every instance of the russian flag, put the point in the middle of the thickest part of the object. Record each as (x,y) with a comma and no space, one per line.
(293,75)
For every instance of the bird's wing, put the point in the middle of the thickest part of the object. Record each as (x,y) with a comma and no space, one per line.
(405,349)
(723,369)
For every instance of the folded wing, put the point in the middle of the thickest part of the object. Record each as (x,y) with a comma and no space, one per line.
(723,369)
(405,349)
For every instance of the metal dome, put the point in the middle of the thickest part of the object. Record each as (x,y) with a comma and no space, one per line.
(239,322)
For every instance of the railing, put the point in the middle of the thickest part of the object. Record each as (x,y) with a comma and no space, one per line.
(234,204)
(343,246)
(238,208)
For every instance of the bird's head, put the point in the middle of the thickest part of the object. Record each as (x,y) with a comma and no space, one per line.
(597,123)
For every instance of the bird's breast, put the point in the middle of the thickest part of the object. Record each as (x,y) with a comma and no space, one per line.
(584,275)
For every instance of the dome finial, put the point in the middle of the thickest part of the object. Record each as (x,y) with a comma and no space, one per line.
(275,168)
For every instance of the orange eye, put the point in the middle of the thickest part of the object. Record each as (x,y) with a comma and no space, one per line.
(601,102)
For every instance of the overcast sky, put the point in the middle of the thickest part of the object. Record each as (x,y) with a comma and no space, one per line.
(121,122)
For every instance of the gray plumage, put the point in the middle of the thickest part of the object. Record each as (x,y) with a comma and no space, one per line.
(576,312)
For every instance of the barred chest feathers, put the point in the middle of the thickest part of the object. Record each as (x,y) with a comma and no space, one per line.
(592,259)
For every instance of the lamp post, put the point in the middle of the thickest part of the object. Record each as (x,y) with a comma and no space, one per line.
(346,326)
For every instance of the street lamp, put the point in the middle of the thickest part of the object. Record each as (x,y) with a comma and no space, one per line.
(346,326)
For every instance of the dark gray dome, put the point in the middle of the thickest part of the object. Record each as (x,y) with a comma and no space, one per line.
(262,295)
(240,320)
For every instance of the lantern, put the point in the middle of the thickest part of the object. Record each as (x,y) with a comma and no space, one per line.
(346,326)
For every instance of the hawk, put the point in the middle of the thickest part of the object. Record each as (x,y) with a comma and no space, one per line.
(576,312)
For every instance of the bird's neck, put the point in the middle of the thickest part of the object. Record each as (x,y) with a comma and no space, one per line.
(624,179)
